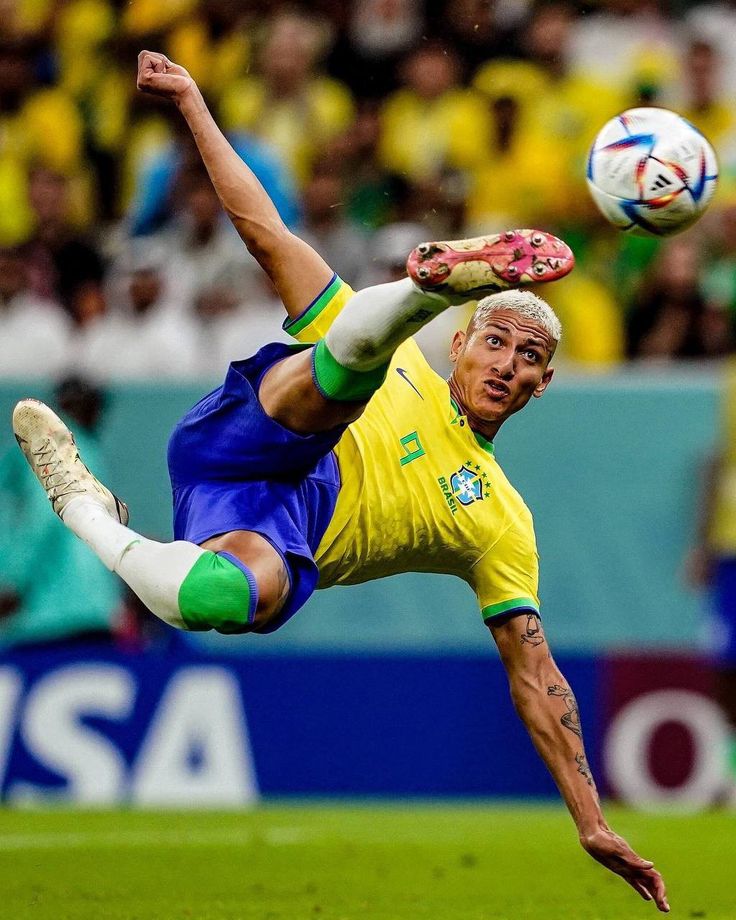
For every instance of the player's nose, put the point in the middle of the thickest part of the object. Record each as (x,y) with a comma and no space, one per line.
(503,364)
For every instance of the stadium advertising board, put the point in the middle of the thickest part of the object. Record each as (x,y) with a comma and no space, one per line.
(188,729)
(665,739)
(184,728)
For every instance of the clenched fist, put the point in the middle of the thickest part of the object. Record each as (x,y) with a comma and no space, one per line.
(158,76)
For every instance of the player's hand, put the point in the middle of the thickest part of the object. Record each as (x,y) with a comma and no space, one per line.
(160,77)
(615,854)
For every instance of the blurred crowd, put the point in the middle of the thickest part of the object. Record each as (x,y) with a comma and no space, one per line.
(373,124)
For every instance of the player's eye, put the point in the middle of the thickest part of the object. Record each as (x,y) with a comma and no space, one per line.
(532,355)
(493,340)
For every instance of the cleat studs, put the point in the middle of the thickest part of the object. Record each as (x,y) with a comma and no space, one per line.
(423,272)
(512,270)
(509,235)
(539,269)
(537,239)
(424,249)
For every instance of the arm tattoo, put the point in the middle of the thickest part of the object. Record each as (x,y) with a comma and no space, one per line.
(583,768)
(571,718)
(531,635)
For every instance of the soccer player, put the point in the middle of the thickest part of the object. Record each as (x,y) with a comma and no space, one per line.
(346,458)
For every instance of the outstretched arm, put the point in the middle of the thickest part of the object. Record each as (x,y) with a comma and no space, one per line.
(298,273)
(547,706)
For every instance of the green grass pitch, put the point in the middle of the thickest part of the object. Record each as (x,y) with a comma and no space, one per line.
(475,862)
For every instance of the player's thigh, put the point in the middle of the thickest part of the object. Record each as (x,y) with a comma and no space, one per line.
(288,395)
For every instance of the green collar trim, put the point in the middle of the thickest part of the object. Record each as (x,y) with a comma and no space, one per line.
(485,444)
(482,442)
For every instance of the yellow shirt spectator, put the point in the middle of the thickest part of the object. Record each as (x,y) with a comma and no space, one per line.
(213,62)
(592,320)
(82,26)
(297,125)
(525,184)
(23,18)
(16,217)
(143,16)
(419,136)
(47,130)
(560,117)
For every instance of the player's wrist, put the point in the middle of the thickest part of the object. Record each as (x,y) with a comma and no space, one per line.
(590,827)
(189,100)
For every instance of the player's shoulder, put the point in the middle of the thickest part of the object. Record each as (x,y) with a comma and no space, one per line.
(517,511)
(410,355)
(409,370)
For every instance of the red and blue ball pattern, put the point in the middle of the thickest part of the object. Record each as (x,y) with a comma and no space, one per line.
(651,172)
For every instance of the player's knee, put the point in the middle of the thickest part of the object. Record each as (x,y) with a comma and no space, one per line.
(273,592)
(219,593)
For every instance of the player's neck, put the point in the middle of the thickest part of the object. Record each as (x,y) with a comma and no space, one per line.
(489,430)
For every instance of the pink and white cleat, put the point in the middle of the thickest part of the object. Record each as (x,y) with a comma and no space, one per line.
(488,264)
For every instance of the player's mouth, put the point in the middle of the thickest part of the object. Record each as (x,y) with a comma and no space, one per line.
(496,389)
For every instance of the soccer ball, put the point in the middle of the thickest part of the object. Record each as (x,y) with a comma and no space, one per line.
(651,172)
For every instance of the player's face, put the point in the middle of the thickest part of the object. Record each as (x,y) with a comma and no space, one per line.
(500,366)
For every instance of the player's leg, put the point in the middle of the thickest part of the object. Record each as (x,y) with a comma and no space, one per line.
(187,586)
(329,386)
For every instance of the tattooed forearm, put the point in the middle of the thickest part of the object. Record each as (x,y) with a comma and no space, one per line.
(531,635)
(583,768)
(571,718)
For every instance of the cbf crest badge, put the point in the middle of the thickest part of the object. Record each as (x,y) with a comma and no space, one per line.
(469,484)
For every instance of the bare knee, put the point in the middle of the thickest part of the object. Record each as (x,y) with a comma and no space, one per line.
(273,591)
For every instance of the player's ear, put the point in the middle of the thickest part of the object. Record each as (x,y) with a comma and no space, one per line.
(544,382)
(456,346)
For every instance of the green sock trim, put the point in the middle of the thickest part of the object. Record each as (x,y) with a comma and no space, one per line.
(216,595)
(334,381)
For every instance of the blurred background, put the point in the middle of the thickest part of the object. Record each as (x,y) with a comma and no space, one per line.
(124,293)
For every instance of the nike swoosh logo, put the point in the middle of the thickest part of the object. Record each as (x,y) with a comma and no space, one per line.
(402,373)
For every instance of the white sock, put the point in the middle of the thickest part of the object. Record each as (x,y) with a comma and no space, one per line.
(154,571)
(374,322)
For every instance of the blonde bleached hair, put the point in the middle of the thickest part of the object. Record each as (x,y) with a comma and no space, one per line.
(525,304)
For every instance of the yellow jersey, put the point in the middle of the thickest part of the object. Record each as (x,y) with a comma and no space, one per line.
(420,491)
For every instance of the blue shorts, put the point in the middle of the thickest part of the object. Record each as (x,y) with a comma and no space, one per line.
(234,468)
(724,597)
